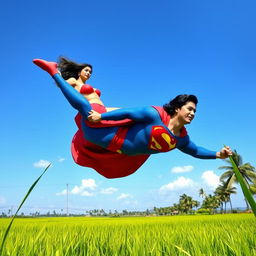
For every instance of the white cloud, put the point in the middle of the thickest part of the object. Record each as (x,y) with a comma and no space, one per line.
(82,190)
(76,190)
(61,159)
(178,184)
(86,193)
(86,184)
(124,196)
(41,164)
(109,190)
(211,179)
(182,169)
(62,193)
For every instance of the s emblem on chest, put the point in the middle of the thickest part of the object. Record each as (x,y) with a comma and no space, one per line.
(161,140)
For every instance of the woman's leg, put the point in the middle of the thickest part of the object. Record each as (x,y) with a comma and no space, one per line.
(76,100)
(101,137)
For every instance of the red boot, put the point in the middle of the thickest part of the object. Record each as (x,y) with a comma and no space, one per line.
(50,67)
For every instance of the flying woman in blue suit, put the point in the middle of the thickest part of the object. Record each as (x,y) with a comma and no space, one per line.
(119,150)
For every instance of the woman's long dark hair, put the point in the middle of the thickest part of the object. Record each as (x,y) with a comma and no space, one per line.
(69,68)
(178,102)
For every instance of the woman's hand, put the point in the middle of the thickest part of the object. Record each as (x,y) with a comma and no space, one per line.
(224,153)
(94,116)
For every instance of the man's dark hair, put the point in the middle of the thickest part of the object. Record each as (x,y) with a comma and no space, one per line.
(178,102)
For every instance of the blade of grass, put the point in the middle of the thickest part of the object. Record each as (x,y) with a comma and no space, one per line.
(23,201)
(246,191)
(182,250)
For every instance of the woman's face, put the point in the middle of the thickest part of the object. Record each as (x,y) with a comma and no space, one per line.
(187,112)
(85,73)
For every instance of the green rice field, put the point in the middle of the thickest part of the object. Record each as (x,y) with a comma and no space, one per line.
(230,234)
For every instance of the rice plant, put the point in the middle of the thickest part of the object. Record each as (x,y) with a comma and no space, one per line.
(229,234)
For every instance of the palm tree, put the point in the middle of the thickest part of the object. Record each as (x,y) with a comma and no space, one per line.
(228,192)
(223,192)
(247,171)
(195,204)
(184,202)
(221,198)
(187,203)
(211,202)
(202,193)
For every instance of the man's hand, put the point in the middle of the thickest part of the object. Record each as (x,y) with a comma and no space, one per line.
(94,116)
(224,153)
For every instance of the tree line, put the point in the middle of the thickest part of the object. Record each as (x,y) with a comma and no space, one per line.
(222,194)
(186,204)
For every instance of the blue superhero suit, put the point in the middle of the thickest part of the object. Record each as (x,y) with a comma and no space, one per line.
(118,151)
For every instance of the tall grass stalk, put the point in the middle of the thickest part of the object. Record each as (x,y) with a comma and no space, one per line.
(23,201)
(246,190)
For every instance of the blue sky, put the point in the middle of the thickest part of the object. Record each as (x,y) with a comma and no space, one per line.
(143,53)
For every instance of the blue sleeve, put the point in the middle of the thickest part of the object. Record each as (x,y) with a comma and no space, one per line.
(76,99)
(139,114)
(198,152)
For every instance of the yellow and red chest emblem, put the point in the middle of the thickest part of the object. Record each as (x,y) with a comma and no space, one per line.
(161,140)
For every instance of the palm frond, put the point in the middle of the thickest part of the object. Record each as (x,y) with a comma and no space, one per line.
(232,180)
(226,175)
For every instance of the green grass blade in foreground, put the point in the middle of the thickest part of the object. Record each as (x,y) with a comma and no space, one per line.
(23,201)
(246,191)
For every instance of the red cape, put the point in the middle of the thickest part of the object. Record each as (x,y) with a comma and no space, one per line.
(107,163)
